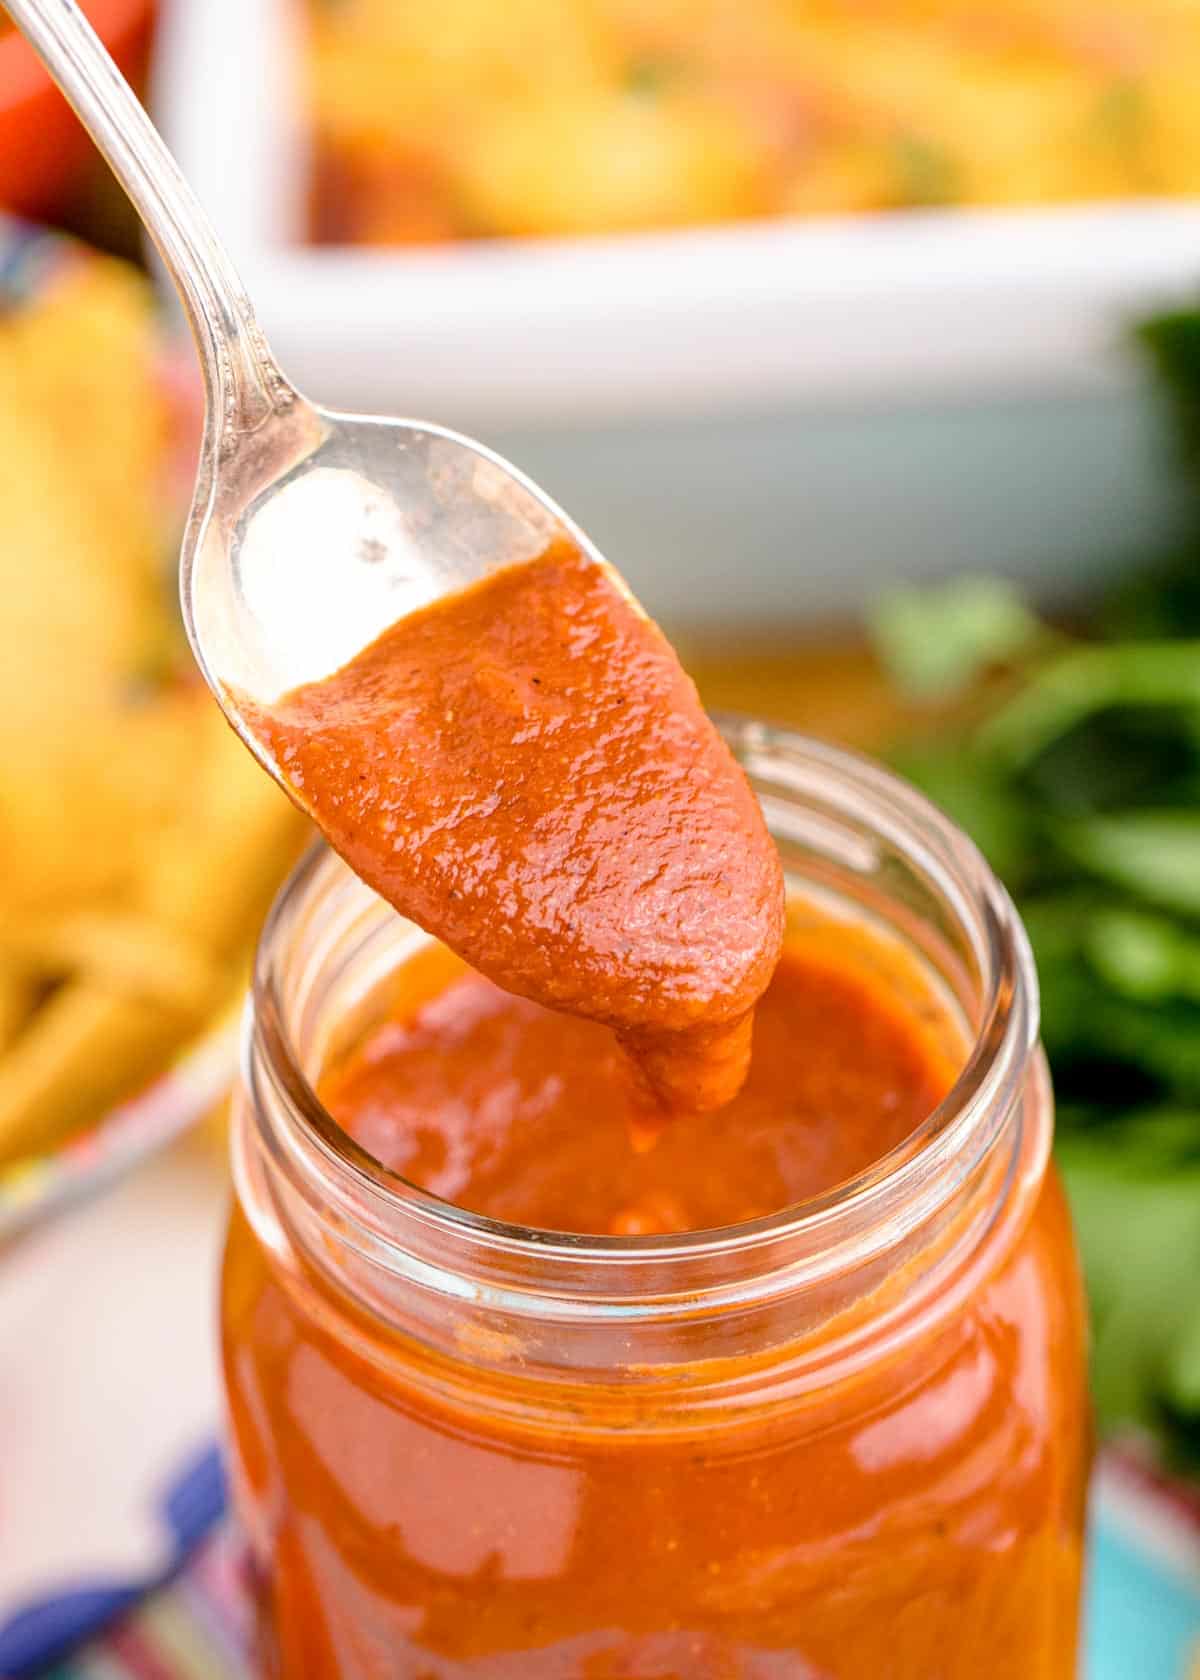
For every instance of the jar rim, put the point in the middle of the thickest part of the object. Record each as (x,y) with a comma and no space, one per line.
(940,1153)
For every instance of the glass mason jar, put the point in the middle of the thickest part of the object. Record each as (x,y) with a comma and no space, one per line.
(846,1442)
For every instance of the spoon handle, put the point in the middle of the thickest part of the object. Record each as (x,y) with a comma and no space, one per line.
(243,385)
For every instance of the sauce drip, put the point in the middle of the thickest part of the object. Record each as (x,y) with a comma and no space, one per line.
(525,770)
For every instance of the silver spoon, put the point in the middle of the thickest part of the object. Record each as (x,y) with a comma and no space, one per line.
(311,532)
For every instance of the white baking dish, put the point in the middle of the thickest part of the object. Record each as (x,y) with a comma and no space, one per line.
(756,420)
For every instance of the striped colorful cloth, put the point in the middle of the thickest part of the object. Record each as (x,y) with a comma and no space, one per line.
(194,1628)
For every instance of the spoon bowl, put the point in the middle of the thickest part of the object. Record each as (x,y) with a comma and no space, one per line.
(316,532)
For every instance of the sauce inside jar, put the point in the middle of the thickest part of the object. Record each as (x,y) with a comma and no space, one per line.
(530,1116)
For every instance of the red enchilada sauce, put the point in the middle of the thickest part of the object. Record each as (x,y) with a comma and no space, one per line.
(525,770)
(440,1485)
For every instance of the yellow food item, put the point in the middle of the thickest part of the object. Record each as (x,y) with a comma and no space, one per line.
(139,843)
(554,117)
(82,1050)
(602,163)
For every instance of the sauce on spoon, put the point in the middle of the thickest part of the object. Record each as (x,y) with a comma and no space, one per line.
(525,770)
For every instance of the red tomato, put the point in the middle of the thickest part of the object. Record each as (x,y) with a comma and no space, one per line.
(42,146)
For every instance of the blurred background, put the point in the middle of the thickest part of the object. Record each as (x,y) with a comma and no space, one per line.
(864,336)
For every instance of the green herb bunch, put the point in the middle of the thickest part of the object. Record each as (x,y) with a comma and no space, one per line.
(1080,780)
